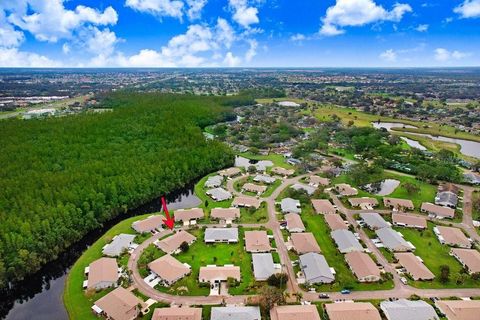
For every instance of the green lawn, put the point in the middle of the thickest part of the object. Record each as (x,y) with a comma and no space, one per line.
(476,212)
(254,216)
(344,277)
(277,159)
(201,254)
(207,203)
(78,305)
(434,255)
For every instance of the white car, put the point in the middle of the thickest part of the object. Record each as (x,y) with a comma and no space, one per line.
(404,280)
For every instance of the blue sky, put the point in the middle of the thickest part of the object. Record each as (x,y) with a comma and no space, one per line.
(239,33)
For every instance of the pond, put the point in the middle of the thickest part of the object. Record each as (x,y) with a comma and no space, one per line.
(40,296)
(467,147)
(382,188)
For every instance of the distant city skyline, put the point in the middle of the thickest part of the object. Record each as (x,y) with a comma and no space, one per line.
(239,33)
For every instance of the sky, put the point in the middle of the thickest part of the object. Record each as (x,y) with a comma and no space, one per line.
(239,33)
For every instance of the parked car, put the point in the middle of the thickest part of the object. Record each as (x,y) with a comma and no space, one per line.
(323,296)
(404,280)
(345,291)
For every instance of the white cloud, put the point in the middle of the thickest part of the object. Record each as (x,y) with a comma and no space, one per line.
(347,13)
(389,55)
(468,9)
(66,48)
(230,60)
(444,55)
(195,8)
(101,42)
(244,14)
(225,32)
(159,8)
(252,51)
(48,20)
(298,37)
(422,28)
(12,57)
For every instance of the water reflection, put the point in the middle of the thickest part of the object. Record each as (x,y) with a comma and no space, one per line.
(382,188)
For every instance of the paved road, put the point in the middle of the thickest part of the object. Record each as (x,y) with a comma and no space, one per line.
(399,291)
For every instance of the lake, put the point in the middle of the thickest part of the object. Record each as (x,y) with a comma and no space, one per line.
(40,296)
(467,147)
(382,188)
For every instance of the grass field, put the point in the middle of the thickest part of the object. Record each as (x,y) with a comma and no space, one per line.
(277,159)
(254,216)
(434,255)
(344,277)
(201,254)
(78,305)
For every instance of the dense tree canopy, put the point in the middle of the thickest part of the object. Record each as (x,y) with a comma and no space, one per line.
(62,177)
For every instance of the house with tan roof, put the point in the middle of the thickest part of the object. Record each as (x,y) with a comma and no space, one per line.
(363,267)
(120,304)
(230,172)
(176,313)
(365,203)
(102,273)
(304,242)
(459,309)
(351,311)
(409,221)
(169,269)
(227,214)
(246,202)
(469,258)
(257,241)
(316,181)
(323,206)
(255,188)
(293,312)
(294,223)
(414,266)
(172,243)
(188,216)
(345,190)
(398,204)
(149,224)
(452,236)
(437,211)
(217,274)
(282,171)
(335,222)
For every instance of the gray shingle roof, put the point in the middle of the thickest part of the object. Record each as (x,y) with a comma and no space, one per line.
(446,198)
(221,234)
(405,309)
(374,220)
(290,205)
(214,181)
(315,268)
(219,194)
(300,186)
(392,240)
(118,245)
(262,265)
(346,241)
(235,313)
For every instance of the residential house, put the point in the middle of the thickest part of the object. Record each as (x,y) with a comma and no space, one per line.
(169,269)
(393,240)
(414,266)
(172,244)
(437,211)
(363,267)
(374,221)
(214,181)
(346,241)
(323,206)
(218,274)
(289,205)
(335,222)
(257,241)
(409,221)
(120,304)
(469,258)
(345,190)
(398,204)
(294,223)
(189,216)
(219,194)
(403,309)
(351,311)
(364,203)
(452,236)
(246,202)
(102,273)
(304,312)
(176,313)
(227,214)
(304,243)
(263,266)
(472,178)
(264,179)
(222,235)
(315,268)
(459,309)
(282,171)
(255,188)
(235,313)
(230,172)
(447,195)
(316,181)
(120,243)
(149,224)
(303,187)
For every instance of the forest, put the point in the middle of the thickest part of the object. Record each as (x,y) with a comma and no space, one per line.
(62,177)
